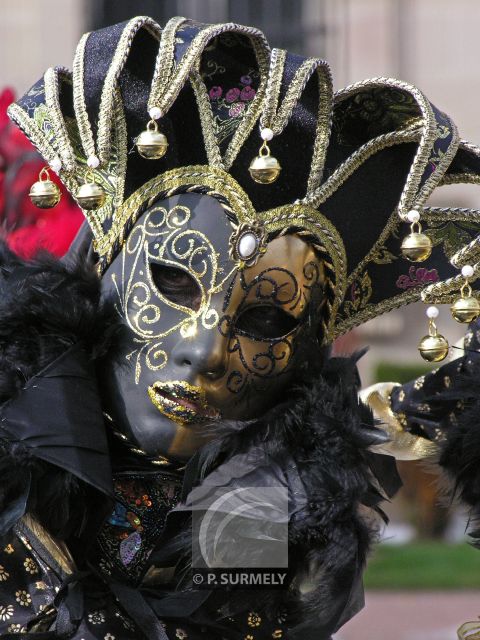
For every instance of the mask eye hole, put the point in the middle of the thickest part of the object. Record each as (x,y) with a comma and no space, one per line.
(265,322)
(176,285)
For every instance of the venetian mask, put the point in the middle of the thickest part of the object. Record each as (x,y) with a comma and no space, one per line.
(214,315)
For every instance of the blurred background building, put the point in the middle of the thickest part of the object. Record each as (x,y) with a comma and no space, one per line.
(430,43)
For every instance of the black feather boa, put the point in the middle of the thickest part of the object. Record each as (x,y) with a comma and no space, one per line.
(46,307)
(321,431)
(319,438)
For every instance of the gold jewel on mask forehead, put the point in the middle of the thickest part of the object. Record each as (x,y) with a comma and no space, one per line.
(247,243)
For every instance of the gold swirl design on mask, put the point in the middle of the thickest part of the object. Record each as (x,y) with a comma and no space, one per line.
(162,237)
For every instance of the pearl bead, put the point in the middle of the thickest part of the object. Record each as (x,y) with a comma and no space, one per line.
(56,164)
(266,134)
(432,312)
(467,271)
(155,113)
(247,245)
(413,216)
(93,162)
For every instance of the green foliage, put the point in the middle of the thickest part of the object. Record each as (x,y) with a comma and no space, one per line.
(424,565)
(391,372)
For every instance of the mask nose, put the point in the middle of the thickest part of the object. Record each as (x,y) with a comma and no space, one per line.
(205,354)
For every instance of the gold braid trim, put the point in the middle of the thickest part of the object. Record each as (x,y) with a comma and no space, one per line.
(169,79)
(212,149)
(200,175)
(467,254)
(255,108)
(81,115)
(52,79)
(447,291)
(276,116)
(460,178)
(402,445)
(324,125)
(272,90)
(312,220)
(455,214)
(409,196)
(165,61)
(353,162)
(121,146)
(111,80)
(40,141)
(167,85)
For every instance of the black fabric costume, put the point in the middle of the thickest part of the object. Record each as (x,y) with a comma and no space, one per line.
(325,530)
(95,533)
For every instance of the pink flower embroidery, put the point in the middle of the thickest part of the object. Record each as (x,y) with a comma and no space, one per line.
(247,94)
(417,277)
(215,93)
(232,95)
(236,109)
(246,80)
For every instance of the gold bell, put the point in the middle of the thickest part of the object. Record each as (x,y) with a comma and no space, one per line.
(417,246)
(44,193)
(467,307)
(152,144)
(90,195)
(264,168)
(433,347)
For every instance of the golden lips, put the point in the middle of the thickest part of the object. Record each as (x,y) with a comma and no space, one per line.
(182,402)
